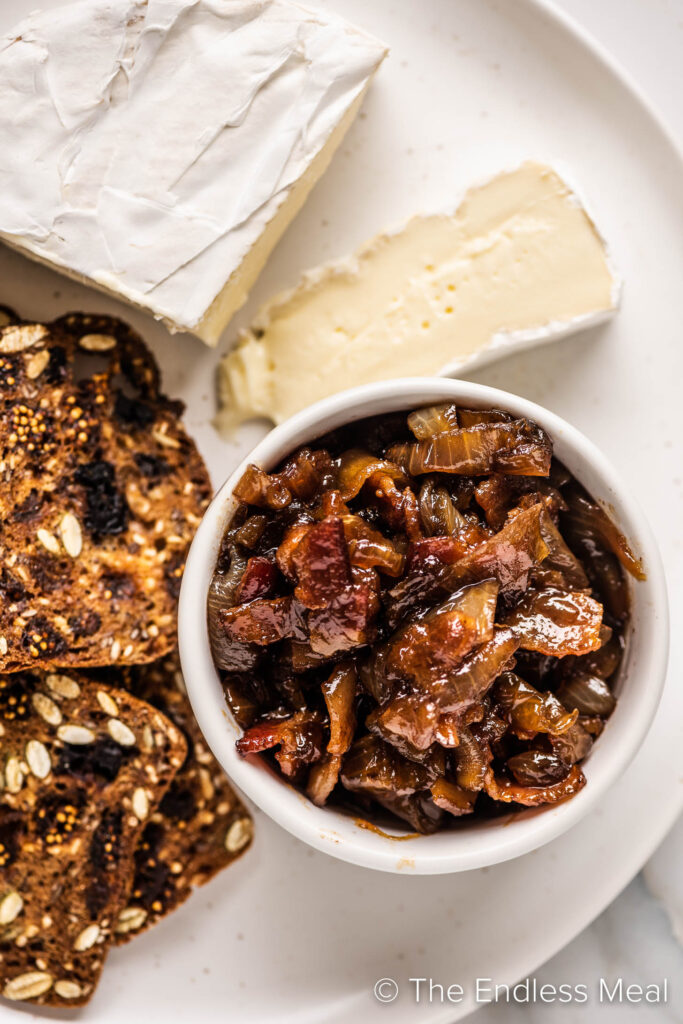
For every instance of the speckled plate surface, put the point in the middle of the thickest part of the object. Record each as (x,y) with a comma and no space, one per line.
(471,86)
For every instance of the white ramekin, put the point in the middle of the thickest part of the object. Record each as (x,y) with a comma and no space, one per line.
(481,843)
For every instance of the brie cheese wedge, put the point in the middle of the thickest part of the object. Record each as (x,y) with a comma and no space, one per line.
(159,148)
(518,263)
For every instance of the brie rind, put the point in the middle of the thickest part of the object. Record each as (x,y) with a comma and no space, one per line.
(518,263)
(159,148)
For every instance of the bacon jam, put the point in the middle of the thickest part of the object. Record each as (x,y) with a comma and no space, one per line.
(422,616)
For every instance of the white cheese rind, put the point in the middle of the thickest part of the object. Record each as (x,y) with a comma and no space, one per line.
(149,145)
(518,263)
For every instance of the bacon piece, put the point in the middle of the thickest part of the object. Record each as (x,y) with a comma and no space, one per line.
(321,563)
(263,622)
(300,739)
(259,580)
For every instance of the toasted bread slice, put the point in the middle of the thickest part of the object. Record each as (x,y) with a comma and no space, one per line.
(83,768)
(101,491)
(200,826)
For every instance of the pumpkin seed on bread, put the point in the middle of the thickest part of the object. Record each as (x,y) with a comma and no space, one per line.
(83,768)
(101,491)
(200,827)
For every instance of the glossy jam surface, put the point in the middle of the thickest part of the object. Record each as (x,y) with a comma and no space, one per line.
(420,617)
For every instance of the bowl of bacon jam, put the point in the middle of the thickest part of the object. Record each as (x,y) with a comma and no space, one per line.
(420,618)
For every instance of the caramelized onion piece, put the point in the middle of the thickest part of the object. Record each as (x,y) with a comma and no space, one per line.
(590,695)
(452,798)
(305,474)
(346,623)
(469,683)
(471,761)
(494,495)
(587,519)
(356,468)
(256,487)
(322,779)
(472,417)
(221,595)
(425,653)
(434,646)
(516,447)
(436,716)
(408,724)
(529,711)
(533,796)
(536,768)
(339,692)
(557,622)
(471,451)
(573,745)
(439,515)
(302,477)
(603,663)
(508,557)
(531,457)
(250,532)
(240,701)
(418,809)
(560,557)
(369,549)
(435,419)
(373,767)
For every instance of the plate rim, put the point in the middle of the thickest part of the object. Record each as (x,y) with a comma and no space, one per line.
(627,867)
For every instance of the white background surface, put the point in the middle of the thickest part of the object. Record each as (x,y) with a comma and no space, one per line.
(633,938)
(236,945)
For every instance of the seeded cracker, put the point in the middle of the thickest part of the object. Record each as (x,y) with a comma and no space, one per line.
(83,768)
(200,826)
(101,491)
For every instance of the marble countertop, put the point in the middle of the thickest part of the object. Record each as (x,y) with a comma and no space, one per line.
(640,936)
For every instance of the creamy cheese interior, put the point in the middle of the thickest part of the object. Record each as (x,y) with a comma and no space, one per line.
(159,148)
(519,262)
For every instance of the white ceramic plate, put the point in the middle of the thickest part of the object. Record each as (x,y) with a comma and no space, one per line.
(471,86)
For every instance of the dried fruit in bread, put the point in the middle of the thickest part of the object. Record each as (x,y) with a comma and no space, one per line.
(200,826)
(101,491)
(83,767)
